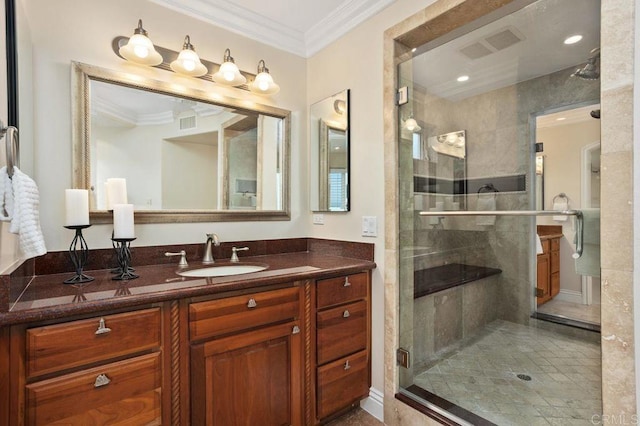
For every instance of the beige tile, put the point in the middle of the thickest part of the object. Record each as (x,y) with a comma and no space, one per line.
(617,119)
(616,223)
(617,41)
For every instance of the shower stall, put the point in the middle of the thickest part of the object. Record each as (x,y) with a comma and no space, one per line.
(469,348)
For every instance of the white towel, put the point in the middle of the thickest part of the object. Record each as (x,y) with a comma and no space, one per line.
(20,201)
(560,205)
(486,202)
(539,249)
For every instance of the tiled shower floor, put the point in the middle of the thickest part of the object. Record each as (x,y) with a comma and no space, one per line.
(565,385)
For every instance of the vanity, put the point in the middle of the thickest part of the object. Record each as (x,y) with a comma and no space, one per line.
(548,264)
(286,345)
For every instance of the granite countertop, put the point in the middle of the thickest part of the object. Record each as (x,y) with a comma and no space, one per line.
(46,297)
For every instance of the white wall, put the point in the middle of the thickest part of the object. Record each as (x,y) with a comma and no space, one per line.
(83,31)
(562,173)
(355,62)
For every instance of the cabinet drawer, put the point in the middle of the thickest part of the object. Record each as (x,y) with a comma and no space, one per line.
(131,394)
(341,331)
(342,383)
(57,347)
(555,244)
(338,290)
(223,316)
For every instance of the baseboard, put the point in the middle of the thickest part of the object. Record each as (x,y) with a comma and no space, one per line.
(374,404)
(570,296)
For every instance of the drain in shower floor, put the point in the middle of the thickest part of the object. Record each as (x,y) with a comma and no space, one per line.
(524,377)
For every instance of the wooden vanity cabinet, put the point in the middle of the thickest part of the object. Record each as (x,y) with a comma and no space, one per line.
(102,370)
(548,270)
(343,343)
(247,359)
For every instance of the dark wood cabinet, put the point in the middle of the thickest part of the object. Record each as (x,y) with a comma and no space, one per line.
(101,370)
(250,370)
(548,270)
(343,342)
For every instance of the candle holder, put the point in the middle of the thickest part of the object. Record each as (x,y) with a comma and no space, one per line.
(123,253)
(78,255)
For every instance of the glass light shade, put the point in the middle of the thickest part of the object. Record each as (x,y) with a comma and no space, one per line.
(228,74)
(139,49)
(412,125)
(188,62)
(264,84)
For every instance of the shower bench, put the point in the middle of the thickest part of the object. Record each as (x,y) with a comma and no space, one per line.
(439,278)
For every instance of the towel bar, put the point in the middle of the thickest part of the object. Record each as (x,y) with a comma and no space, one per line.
(576,213)
(12,146)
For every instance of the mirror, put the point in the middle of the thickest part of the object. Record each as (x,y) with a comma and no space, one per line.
(186,157)
(329,165)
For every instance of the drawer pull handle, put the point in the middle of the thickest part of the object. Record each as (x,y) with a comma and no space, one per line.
(346,314)
(347,365)
(252,303)
(346,282)
(102,328)
(296,329)
(101,380)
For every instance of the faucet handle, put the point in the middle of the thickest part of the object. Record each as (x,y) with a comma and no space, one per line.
(235,250)
(183,258)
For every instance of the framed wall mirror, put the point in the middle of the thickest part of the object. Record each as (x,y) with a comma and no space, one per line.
(329,162)
(186,157)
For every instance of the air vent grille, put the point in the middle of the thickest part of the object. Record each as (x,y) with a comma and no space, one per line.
(495,42)
(188,122)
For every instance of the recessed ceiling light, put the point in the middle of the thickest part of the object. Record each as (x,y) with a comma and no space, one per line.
(561,118)
(414,49)
(573,39)
(463,78)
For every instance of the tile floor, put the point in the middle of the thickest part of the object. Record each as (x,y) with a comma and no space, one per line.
(357,417)
(576,311)
(482,377)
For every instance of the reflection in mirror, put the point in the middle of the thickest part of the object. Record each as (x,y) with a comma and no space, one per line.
(329,167)
(184,158)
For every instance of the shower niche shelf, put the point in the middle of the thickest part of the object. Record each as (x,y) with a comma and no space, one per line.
(432,280)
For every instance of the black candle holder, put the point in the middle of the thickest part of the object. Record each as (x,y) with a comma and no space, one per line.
(123,254)
(118,270)
(78,255)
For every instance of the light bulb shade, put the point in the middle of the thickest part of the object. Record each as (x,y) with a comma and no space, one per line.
(188,61)
(412,125)
(264,84)
(139,49)
(228,74)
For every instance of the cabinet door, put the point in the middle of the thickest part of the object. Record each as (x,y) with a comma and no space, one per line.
(253,378)
(543,283)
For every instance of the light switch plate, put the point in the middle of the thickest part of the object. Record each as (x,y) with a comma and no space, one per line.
(318,219)
(369,226)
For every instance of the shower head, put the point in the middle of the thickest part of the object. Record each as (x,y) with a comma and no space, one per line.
(591,70)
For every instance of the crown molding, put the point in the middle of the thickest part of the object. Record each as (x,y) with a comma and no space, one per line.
(241,21)
(342,20)
(247,23)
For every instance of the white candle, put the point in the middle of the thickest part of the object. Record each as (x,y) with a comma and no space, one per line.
(76,207)
(123,221)
(116,192)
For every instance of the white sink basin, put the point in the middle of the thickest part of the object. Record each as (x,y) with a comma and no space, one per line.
(222,270)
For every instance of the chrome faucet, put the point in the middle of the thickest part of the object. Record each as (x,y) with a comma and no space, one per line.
(212,240)
(234,255)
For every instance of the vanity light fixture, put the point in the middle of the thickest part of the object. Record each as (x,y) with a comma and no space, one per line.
(263,83)
(339,106)
(188,62)
(140,49)
(412,125)
(229,74)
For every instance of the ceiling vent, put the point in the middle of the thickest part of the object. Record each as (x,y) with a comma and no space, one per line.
(495,42)
(188,122)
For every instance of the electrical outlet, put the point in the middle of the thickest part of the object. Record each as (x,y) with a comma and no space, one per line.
(318,219)
(369,226)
